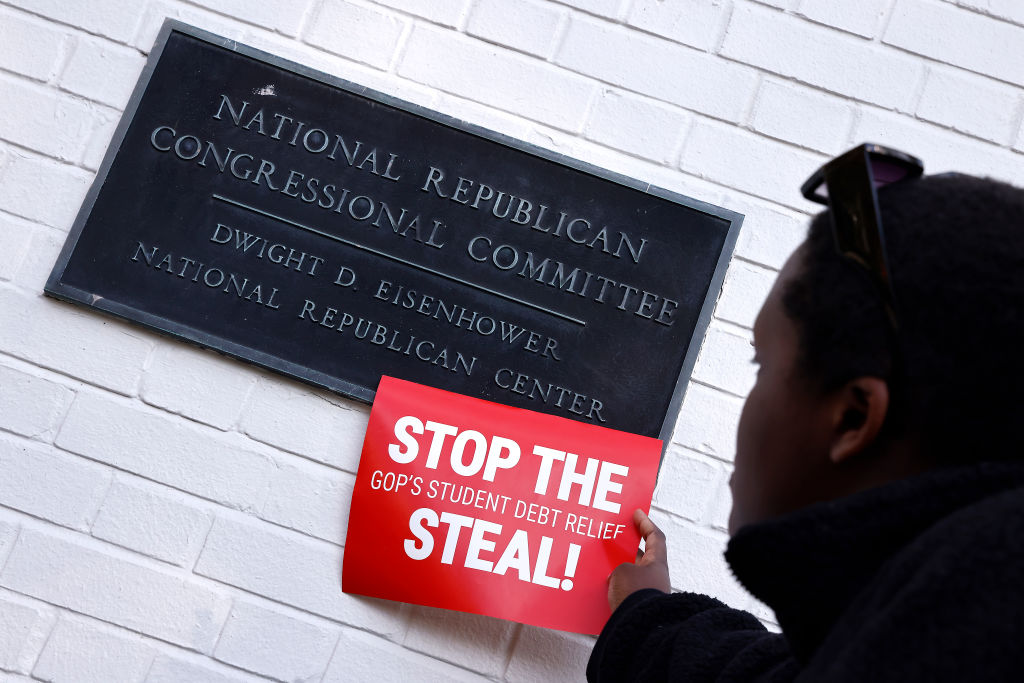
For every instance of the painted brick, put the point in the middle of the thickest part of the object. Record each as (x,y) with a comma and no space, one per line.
(770,169)
(156,11)
(476,642)
(201,385)
(54,486)
(104,123)
(43,248)
(940,149)
(112,18)
(188,458)
(659,68)
(41,119)
(362,658)
(361,75)
(1019,146)
(450,13)
(642,171)
(972,105)
(803,116)
(720,363)
(685,483)
(103,72)
(310,498)
(863,18)
(696,563)
(83,345)
(542,655)
(88,652)
(746,287)
(529,26)
(981,43)
(781,4)
(692,186)
(484,116)
(1011,10)
(494,76)
(721,505)
(30,405)
(65,189)
(930,143)
(290,568)
(153,521)
(296,419)
(707,421)
(8,533)
(821,57)
(283,16)
(30,47)
(637,125)
(24,626)
(168,669)
(275,644)
(605,8)
(769,233)
(94,581)
(358,32)
(15,236)
(692,22)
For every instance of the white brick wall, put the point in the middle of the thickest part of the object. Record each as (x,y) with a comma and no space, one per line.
(79,650)
(167,514)
(24,625)
(862,18)
(529,25)
(638,125)
(657,67)
(252,639)
(357,32)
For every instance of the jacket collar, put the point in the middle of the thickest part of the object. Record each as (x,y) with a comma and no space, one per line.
(809,565)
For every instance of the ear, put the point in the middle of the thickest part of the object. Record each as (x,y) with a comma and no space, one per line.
(859,413)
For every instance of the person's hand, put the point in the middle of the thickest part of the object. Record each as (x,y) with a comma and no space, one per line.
(650,569)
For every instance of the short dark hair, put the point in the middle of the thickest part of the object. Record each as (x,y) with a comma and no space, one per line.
(956,251)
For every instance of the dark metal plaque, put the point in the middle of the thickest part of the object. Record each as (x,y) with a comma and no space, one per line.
(335,234)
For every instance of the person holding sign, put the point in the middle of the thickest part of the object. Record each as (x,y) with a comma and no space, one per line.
(476,506)
(878,492)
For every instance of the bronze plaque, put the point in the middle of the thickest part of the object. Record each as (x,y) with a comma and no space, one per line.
(335,234)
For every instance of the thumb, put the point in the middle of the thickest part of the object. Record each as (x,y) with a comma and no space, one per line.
(655,547)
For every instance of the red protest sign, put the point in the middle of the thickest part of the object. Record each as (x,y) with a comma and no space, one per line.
(480,507)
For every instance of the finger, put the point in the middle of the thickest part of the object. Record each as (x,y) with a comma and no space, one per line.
(639,554)
(654,539)
(617,573)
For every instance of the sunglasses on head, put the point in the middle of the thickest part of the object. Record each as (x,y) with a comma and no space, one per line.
(848,186)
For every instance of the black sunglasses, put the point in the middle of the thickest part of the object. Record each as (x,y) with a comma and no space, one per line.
(848,186)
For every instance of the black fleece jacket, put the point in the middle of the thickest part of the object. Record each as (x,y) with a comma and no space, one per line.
(921,579)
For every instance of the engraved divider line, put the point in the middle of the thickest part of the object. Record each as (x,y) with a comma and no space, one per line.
(397,259)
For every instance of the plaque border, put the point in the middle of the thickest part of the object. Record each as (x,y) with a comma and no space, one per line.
(56,289)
